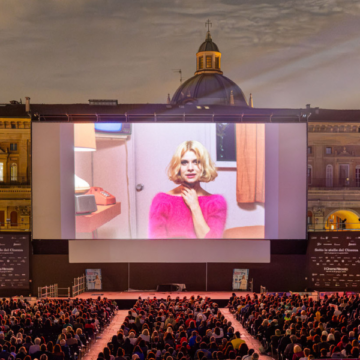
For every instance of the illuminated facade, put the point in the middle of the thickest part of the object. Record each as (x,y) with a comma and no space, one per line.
(15,174)
(333,176)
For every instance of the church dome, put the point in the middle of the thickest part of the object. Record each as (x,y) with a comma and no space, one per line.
(209,86)
(208,44)
(209,89)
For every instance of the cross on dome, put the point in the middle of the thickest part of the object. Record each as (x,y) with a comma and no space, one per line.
(208,23)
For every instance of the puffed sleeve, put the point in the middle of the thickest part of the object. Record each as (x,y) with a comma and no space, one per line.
(158,218)
(216,217)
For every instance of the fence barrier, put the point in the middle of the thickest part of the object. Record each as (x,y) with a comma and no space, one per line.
(79,286)
(53,291)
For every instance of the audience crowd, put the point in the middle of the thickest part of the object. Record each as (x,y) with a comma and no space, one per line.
(299,328)
(289,327)
(176,329)
(49,329)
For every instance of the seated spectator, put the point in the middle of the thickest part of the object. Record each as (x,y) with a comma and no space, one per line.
(137,351)
(70,340)
(65,349)
(336,353)
(21,353)
(289,351)
(120,355)
(58,353)
(243,350)
(145,335)
(36,347)
(355,353)
(107,354)
(298,353)
(237,341)
(249,355)
(38,354)
(275,339)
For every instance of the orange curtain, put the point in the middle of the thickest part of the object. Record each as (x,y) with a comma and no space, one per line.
(250,155)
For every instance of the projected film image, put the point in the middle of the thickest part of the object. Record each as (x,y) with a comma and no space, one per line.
(169,181)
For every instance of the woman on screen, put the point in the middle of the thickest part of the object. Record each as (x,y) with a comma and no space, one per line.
(188,211)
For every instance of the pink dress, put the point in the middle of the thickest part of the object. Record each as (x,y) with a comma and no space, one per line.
(170,217)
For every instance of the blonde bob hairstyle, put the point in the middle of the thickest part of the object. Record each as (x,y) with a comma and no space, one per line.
(209,172)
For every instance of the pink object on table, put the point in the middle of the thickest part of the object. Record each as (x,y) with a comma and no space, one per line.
(171,218)
(91,222)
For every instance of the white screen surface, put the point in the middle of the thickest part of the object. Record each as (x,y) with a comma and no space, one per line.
(133,171)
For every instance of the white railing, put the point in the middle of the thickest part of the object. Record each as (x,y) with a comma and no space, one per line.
(251,285)
(262,289)
(53,291)
(48,291)
(79,286)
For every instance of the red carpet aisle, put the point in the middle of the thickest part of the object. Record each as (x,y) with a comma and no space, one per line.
(106,336)
(250,341)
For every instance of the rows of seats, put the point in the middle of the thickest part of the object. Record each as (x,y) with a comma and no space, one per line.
(51,329)
(297,327)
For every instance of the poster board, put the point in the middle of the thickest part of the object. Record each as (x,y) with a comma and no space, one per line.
(93,279)
(240,279)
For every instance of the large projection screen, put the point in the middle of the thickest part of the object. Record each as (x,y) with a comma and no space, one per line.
(252,179)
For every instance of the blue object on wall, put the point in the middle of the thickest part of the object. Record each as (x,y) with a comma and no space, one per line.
(108,127)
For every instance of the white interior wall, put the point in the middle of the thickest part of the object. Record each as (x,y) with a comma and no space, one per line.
(155,145)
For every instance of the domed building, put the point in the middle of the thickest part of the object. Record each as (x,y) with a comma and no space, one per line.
(209,86)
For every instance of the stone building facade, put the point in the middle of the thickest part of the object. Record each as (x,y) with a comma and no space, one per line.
(15,174)
(333,176)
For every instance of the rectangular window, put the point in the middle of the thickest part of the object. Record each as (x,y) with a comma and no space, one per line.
(357,174)
(201,62)
(217,63)
(1,171)
(13,147)
(208,62)
(328,151)
(309,150)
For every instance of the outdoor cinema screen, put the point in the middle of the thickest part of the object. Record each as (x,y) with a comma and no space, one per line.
(169,181)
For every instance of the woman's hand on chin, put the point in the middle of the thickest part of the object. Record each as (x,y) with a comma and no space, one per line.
(190,197)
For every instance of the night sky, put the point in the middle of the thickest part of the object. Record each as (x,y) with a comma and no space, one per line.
(286,53)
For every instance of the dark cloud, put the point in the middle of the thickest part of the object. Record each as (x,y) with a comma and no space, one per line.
(70,51)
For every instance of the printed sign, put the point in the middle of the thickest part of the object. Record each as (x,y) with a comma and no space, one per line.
(334,262)
(14,261)
(240,279)
(93,279)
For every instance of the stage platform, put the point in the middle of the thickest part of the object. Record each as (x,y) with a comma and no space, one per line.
(134,295)
(126,299)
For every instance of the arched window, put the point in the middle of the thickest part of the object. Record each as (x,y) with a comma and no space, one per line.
(13,172)
(13,218)
(329,175)
(309,175)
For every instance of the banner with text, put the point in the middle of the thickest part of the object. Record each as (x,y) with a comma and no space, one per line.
(334,261)
(14,261)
